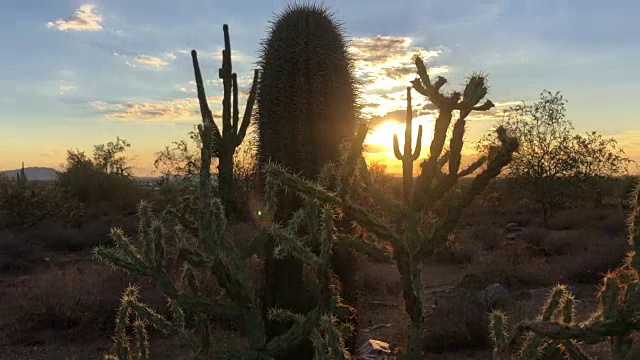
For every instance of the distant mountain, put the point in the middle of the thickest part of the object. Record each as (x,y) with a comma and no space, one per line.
(33,173)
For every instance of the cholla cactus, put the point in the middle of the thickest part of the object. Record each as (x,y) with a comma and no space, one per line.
(557,332)
(414,242)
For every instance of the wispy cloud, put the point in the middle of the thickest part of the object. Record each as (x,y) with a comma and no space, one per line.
(66,87)
(84,19)
(176,109)
(237,56)
(385,67)
(152,61)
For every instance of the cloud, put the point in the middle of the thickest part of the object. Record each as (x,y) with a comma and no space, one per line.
(384,66)
(382,61)
(176,109)
(84,19)
(236,55)
(66,87)
(153,61)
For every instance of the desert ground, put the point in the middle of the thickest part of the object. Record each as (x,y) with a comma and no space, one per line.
(59,303)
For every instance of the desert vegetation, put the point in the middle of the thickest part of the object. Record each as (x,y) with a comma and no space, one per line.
(271,236)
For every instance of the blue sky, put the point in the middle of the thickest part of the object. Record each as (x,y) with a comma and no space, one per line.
(76,73)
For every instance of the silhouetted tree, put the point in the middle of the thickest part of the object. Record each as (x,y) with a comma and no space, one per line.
(553,164)
(109,157)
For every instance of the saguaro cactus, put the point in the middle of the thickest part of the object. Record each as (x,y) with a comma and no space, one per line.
(21,177)
(307,108)
(408,157)
(234,131)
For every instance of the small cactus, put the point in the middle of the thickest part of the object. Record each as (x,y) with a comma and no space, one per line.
(21,178)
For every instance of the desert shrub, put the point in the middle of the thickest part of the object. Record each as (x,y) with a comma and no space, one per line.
(487,236)
(94,187)
(59,236)
(78,300)
(554,166)
(17,255)
(457,250)
(558,331)
(24,206)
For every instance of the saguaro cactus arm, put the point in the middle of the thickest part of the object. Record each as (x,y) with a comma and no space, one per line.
(248,109)
(205,111)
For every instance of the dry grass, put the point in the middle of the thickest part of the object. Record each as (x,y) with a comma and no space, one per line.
(73,302)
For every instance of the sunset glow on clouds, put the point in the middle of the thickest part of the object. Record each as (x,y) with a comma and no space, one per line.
(84,19)
(120,68)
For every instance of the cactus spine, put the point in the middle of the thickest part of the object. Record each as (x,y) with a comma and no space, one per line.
(225,143)
(306,110)
(556,332)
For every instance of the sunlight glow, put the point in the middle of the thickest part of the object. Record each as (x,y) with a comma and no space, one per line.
(379,142)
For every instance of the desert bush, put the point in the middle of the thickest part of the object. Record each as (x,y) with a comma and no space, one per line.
(24,205)
(557,331)
(89,183)
(16,255)
(553,166)
(54,235)
(487,236)
(456,250)
(78,301)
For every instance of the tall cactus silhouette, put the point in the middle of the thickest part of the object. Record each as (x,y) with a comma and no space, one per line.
(408,157)
(234,131)
(307,109)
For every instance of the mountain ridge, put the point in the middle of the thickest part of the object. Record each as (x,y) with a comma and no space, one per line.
(41,173)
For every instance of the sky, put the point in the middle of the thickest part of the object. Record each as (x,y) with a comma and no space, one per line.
(74,74)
